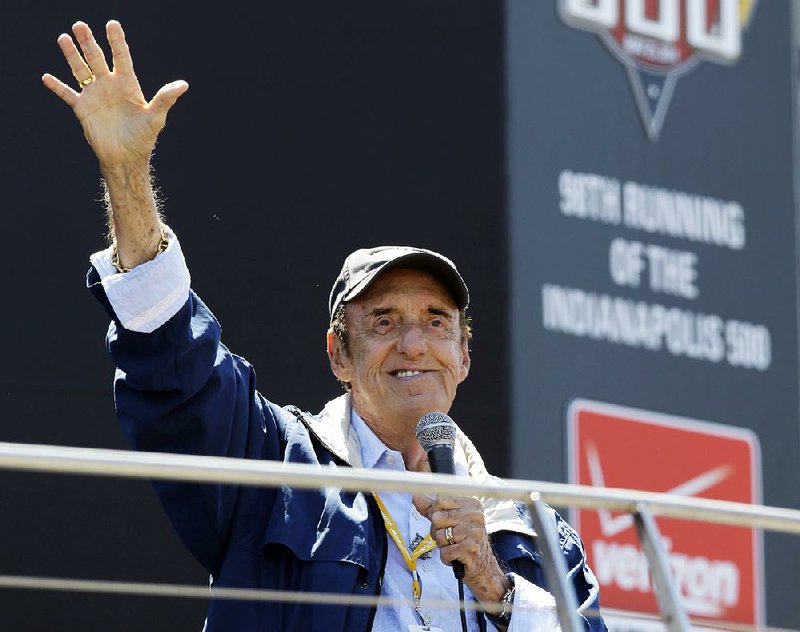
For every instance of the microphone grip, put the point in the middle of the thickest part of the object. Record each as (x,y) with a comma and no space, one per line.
(440,458)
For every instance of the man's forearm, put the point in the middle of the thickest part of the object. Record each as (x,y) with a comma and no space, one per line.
(134,222)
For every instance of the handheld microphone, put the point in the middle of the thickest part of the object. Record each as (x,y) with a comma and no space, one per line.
(436,433)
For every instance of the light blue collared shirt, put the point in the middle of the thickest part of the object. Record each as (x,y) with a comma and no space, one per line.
(437,580)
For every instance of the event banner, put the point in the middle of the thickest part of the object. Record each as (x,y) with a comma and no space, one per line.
(653,280)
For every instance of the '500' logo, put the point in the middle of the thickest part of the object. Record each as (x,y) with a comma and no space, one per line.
(658,40)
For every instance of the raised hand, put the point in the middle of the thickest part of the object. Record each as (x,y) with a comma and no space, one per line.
(119,123)
(122,128)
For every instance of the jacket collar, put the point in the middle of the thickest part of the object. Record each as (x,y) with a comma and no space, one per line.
(332,428)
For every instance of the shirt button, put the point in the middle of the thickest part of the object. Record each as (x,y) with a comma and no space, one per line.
(390,460)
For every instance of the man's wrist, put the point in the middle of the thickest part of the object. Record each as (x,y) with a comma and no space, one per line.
(119,168)
(502,618)
(162,246)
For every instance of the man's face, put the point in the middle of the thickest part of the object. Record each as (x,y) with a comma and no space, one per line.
(406,354)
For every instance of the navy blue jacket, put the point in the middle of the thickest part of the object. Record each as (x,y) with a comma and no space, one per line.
(180,390)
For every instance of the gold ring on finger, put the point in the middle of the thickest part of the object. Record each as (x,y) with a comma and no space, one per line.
(85,82)
(448,535)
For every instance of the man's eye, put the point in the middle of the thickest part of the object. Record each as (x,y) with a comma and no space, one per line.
(383,322)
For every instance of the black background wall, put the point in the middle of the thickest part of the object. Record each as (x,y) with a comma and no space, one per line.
(310,129)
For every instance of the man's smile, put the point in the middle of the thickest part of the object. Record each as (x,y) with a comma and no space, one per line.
(408,373)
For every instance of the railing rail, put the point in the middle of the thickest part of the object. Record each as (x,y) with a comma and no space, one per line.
(211,469)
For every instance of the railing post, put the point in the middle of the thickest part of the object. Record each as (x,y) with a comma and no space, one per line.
(666,592)
(555,568)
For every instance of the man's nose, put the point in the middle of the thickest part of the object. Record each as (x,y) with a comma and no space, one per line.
(412,341)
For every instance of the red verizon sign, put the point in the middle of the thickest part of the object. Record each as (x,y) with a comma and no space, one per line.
(717,568)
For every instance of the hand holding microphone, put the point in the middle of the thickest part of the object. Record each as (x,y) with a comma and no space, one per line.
(436,433)
(457,523)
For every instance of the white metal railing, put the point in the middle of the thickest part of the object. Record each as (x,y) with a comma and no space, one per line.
(201,469)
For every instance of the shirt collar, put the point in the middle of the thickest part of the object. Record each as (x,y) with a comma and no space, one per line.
(372,448)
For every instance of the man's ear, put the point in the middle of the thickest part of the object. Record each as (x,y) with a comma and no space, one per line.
(338,358)
(466,361)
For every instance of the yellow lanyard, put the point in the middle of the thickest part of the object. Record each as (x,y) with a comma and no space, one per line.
(426,546)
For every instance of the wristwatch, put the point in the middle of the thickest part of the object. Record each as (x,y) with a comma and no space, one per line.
(504,617)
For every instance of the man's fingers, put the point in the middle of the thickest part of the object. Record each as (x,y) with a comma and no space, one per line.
(424,503)
(457,504)
(450,502)
(166,97)
(80,69)
(92,53)
(457,533)
(62,90)
(121,54)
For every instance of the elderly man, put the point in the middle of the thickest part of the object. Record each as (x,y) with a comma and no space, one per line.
(398,341)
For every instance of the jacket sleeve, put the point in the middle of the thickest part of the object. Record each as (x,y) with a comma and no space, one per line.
(521,556)
(179,389)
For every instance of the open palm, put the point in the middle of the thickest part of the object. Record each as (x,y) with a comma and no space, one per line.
(119,123)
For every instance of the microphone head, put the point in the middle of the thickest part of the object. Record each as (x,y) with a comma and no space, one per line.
(436,429)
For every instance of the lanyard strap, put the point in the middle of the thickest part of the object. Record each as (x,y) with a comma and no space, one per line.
(426,546)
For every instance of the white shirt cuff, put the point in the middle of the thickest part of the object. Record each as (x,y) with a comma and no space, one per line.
(151,293)
(534,608)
